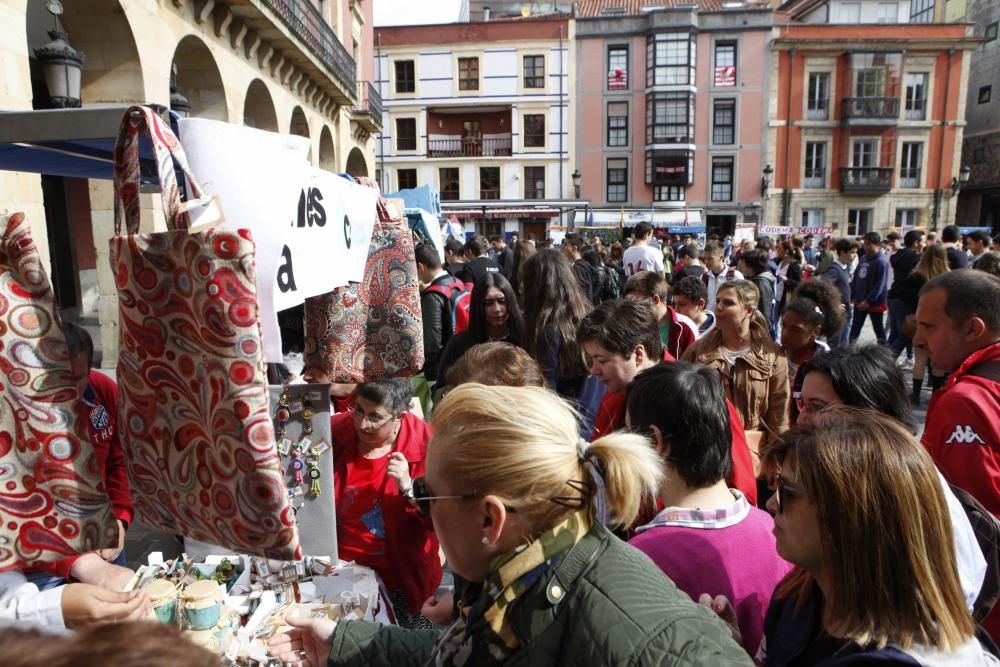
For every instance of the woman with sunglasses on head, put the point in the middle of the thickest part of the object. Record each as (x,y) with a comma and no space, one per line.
(519,504)
(379,448)
(860,512)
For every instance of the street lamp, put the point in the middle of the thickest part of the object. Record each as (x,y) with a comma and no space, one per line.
(576,182)
(178,103)
(61,63)
(963,178)
(765,181)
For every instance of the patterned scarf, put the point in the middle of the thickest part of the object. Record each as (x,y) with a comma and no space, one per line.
(482,634)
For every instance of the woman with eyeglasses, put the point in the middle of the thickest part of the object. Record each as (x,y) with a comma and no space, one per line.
(814,310)
(379,448)
(860,512)
(519,504)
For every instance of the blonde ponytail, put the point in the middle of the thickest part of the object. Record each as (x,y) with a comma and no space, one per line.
(632,474)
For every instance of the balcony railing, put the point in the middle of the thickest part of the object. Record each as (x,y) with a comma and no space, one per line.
(303,19)
(485,147)
(870,108)
(370,103)
(865,180)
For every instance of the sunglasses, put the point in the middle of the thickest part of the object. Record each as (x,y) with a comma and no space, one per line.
(781,489)
(422,496)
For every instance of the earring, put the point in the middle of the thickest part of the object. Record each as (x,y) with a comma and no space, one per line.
(486,540)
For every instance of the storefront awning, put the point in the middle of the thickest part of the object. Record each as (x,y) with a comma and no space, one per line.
(76,143)
(502,213)
(658,218)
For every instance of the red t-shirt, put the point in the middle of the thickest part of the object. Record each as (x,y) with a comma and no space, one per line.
(360,522)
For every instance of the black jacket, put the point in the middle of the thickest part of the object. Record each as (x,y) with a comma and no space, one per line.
(505,260)
(765,285)
(587,277)
(476,268)
(436,312)
(902,262)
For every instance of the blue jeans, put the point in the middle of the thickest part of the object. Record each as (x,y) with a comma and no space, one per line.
(840,339)
(898,310)
(858,323)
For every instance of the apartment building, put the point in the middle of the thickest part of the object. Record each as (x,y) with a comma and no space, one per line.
(866,116)
(671,112)
(479,112)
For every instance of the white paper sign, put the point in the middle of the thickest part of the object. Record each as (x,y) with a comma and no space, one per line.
(311,228)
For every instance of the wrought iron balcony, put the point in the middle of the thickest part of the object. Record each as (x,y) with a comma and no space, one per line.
(865,180)
(368,110)
(458,147)
(308,25)
(870,110)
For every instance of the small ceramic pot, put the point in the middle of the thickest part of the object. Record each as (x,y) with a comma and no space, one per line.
(163,596)
(201,605)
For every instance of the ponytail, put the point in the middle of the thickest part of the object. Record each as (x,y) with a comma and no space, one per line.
(632,473)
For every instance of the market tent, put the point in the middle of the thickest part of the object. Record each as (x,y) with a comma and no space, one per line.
(67,142)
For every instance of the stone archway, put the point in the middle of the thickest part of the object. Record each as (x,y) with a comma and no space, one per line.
(300,126)
(327,152)
(258,110)
(356,164)
(199,80)
(112,72)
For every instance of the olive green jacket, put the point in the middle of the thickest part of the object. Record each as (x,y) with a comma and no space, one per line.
(605,603)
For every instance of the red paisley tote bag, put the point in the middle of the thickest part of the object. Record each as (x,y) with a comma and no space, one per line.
(372,329)
(200,446)
(53,502)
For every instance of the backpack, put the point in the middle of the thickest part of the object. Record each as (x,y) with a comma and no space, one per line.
(458,295)
(615,288)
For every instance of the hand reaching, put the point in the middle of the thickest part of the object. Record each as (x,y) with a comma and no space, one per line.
(113,552)
(438,610)
(721,605)
(399,470)
(84,604)
(307,644)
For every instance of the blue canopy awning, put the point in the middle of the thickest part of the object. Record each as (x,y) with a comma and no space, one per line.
(76,143)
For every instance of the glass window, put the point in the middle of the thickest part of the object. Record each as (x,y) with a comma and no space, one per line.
(812,217)
(668,193)
(617,67)
(534,130)
(870,83)
(534,71)
(406,134)
(725,64)
(617,124)
(489,182)
(449,183)
(534,182)
(617,180)
(818,96)
(406,179)
(722,179)
(990,33)
(907,217)
(669,118)
(985,92)
(669,60)
(815,175)
(864,153)
(921,11)
(850,12)
(724,122)
(909,171)
(468,73)
(888,12)
(405,79)
(916,96)
(859,221)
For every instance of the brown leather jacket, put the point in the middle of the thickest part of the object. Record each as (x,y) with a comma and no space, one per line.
(758,382)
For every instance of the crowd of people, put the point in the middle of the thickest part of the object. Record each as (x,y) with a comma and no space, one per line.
(656,451)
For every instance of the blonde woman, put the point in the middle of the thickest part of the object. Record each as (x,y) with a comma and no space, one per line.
(933,263)
(875,578)
(753,367)
(519,505)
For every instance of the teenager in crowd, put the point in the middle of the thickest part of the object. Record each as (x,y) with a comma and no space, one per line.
(522,251)
(903,262)
(933,262)
(690,296)
(754,265)
(838,274)
(717,272)
(519,505)
(641,256)
(951,239)
(787,277)
(676,330)
(709,539)
(870,289)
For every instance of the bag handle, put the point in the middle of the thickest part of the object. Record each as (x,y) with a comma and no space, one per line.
(138,122)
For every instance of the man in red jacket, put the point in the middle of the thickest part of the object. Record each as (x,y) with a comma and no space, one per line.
(621,338)
(958,323)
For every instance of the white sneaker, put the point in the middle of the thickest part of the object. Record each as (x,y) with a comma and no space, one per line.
(906,364)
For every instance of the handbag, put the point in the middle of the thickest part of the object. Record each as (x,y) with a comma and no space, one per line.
(372,329)
(200,446)
(53,500)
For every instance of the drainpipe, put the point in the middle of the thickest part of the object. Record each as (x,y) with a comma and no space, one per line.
(786,195)
(944,128)
(561,107)
(381,141)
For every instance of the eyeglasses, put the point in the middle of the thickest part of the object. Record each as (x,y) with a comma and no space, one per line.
(373,420)
(782,488)
(810,406)
(422,496)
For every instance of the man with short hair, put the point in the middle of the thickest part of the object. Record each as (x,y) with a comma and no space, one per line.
(958,323)
(717,273)
(838,275)
(586,276)
(903,262)
(808,249)
(502,255)
(754,265)
(690,260)
(951,239)
(640,256)
(677,332)
(477,264)
(434,306)
(454,255)
(689,300)
(870,289)
(977,242)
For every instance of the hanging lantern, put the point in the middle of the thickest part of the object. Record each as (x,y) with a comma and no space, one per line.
(178,103)
(61,63)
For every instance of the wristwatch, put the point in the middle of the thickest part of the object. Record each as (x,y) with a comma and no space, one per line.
(408,492)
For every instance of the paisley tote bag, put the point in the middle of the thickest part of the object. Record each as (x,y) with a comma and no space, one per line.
(372,329)
(198,436)
(53,502)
